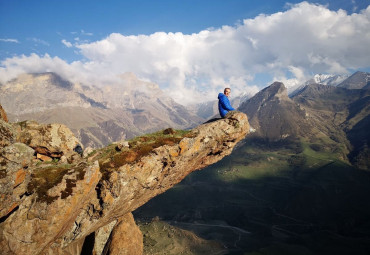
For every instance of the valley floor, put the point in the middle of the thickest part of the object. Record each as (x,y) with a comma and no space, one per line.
(287,198)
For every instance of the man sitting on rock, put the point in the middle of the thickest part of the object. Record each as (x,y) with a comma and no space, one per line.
(224,105)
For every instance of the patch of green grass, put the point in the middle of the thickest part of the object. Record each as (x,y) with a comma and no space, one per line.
(92,153)
(316,157)
(111,159)
(45,178)
(167,136)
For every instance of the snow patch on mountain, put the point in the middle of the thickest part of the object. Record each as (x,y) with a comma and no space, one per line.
(323,79)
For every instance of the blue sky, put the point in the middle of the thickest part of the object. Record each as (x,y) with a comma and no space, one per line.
(40,25)
(78,36)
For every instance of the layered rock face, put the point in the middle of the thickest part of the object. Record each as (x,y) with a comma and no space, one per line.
(57,205)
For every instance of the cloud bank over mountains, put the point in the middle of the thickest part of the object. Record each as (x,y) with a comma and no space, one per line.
(287,46)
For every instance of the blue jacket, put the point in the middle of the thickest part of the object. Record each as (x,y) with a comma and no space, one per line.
(224,105)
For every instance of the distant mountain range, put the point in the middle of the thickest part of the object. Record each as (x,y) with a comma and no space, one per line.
(336,117)
(98,116)
(101,115)
(358,80)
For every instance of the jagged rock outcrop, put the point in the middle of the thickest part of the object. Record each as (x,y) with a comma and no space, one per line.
(65,203)
(53,140)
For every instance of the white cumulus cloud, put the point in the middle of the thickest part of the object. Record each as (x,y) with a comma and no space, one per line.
(9,40)
(66,43)
(288,46)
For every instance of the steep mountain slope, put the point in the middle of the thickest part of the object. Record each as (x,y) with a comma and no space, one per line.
(358,80)
(32,93)
(335,117)
(275,116)
(342,114)
(98,116)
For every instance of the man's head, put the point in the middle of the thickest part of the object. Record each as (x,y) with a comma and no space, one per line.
(227,91)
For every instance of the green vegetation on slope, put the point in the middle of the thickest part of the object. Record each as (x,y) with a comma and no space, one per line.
(163,238)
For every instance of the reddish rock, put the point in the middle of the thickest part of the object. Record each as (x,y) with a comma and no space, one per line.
(127,238)
(20,175)
(44,157)
(3,115)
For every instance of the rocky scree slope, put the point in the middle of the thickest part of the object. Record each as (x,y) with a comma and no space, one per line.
(51,207)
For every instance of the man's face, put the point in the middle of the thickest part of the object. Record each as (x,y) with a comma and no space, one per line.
(227,92)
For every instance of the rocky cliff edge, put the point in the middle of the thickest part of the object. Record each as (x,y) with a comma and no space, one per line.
(50,207)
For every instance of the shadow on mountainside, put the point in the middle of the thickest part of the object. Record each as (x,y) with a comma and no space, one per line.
(292,200)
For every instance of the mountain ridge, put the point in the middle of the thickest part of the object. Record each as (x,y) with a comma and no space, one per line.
(344,81)
(274,115)
(358,80)
(134,106)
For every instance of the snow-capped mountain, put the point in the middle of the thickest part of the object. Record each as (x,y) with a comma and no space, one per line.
(329,79)
(323,79)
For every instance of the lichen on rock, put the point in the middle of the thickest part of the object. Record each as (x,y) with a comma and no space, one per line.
(14,175)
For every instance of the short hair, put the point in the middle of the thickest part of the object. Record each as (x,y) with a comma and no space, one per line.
(226,89)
